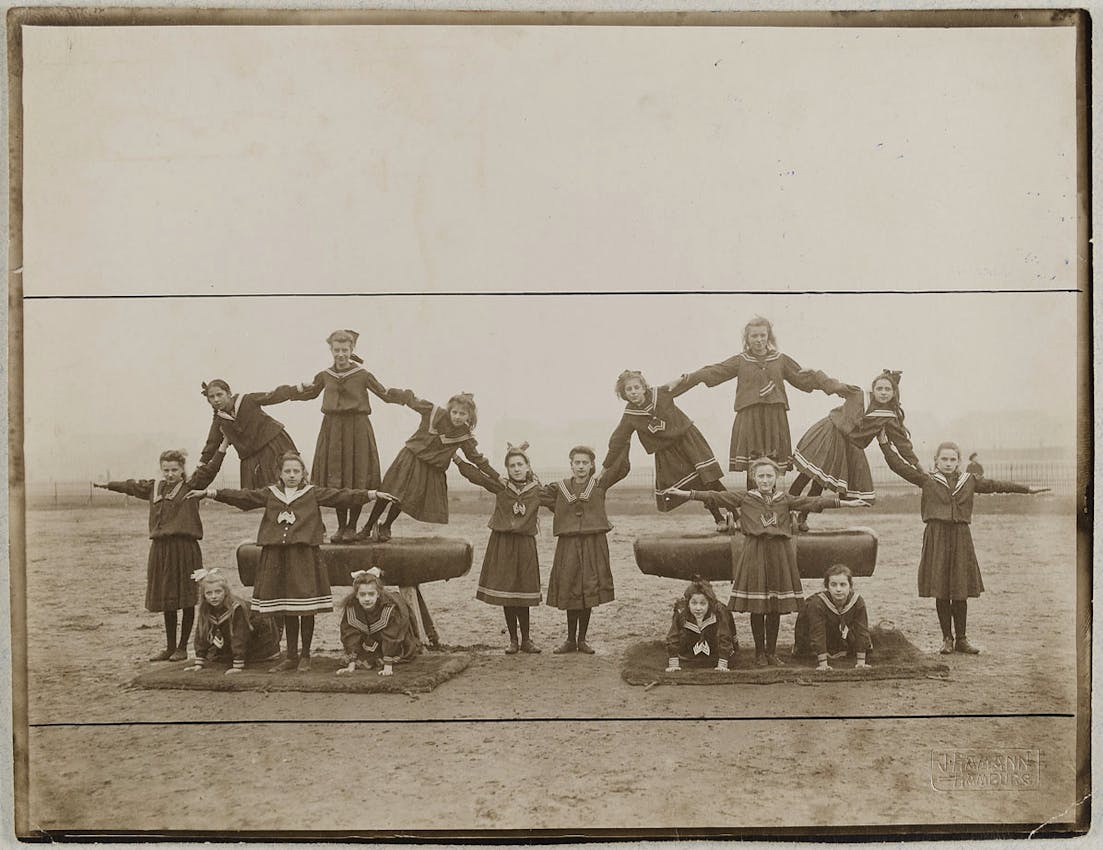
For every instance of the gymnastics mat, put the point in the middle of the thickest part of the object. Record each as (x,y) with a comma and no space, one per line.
(420,675)
(711,556)
(893,657)
(405,561)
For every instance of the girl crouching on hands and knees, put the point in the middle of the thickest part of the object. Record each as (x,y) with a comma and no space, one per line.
(377,627)
(765,578)
(702,632)
(833,622)
(224,632)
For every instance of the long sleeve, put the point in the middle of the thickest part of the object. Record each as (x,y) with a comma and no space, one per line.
(204,649)
(731,499)
(246,500)
(328,497)
(897,464)
(411,401)
(138,489)
(673,636)
(352,639)
(619,441)
(205,473)
(817,627)
(616,471)
(548,495)
(478,477)
(724,637)
(898,435)
(240,633)
(392,628)
(471,452)
(214,440)
(712,375)
(679,386)
(813,503)
(859,624)
(994,485)
(808,380)
(391,396)
(277,396)
(311,390)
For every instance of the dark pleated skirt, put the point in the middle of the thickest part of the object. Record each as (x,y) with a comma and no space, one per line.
(581,576)
(172,560)
(346,454)
(948,567)
(689,464)
(827,456)
(263,468)
(291,580)
(766,579)
(761,430)
(511,571)
(421,488)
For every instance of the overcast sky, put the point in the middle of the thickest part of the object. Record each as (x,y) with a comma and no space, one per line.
(431,159)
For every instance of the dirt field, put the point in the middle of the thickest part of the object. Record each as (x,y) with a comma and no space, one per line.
(551,742)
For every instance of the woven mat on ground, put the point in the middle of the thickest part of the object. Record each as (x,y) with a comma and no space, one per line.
(894,657)
(418,676)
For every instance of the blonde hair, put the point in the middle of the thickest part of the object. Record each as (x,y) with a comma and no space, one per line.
(759,322)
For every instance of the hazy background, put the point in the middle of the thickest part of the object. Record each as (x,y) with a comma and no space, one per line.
(199,160)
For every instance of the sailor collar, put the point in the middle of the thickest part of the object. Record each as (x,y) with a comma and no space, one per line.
(340,376)
(288,498)
(368,628)
(448,441)
(520,491)
(583,496)
(772,355)
(769,500)
(170,495)
(649,409)
(233,414)
(710,620)
(850,603)
(962,478)
(879,412)
(221,618)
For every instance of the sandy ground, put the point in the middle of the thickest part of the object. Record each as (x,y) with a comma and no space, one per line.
(546,742)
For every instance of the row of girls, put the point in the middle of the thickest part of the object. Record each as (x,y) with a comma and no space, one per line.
(292,585)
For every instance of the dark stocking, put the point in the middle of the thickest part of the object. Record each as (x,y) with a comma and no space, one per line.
(523,622)
(376,512)
(342,519)
(354,517)
(392,514)
(772,624)
(170,629)
(799,483)
(758,632)
(583,623)
(511,621)
(572,626)
(187,619)
(958,609)
(291,632)
(942,606)
(716,512)
(307,629)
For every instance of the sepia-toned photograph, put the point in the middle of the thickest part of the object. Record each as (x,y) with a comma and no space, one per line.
(444,426)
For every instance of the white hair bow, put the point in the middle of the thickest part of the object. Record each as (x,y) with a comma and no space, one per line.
(201,574)
(374,571)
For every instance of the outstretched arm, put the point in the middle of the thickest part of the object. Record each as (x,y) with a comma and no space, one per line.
(306,392)
(619,441)
(329,497)
(617,468)
(994,485)
(897,464)
(142,489)
(246,500)
(470,450)
(214,439)
(479,478)
(391,396)
(710,376)
(280,394)
(900,438)
(730,499)
(205,473)
(807,380)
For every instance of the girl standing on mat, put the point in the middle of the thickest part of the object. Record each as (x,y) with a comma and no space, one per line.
(833,622)
(831,455)
(682,456)
(175,530)
(948,568)
(416,477)
(581,577)
(259,439)
(377,627)
(511,569)
(765,578)
(761,427)
(346,454)
(291,581)
(702,631)
(225,633)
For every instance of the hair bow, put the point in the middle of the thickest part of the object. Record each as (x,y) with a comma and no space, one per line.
(201,574)
(894,374)
(374,571)
(523,447)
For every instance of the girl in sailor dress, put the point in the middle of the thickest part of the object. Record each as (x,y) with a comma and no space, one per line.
(510,575)
(702,630)
(948,568)
(346,454)
(175,530)
(831,454)
(765,578)
(581,577)
(291,581)
(377,627)
(260,440)
(834,622)
(225,633)
(683,458)
(416,477)
(761,426)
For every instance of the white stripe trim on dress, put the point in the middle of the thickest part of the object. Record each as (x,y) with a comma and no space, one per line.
(346,373)
(509,595)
